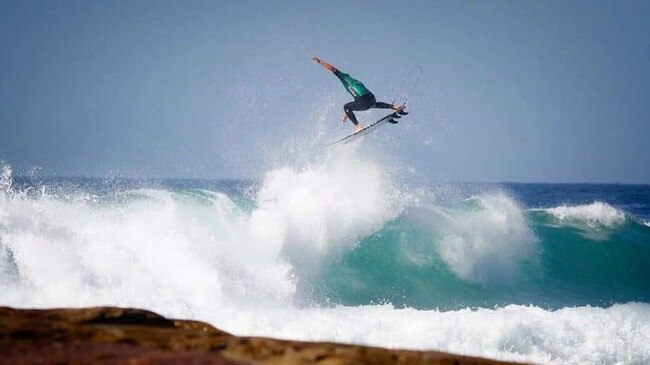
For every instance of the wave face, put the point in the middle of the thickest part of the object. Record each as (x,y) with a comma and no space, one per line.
(342,251)
(486,251)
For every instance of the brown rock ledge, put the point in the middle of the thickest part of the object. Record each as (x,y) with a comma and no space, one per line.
(109,335)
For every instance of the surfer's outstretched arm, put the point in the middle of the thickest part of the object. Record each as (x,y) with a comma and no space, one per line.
(327,66)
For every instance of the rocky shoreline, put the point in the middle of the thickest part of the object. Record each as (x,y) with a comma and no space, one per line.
(110,335)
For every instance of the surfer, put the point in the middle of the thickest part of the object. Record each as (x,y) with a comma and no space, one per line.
(363,98)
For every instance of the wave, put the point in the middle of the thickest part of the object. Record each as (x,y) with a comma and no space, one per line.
(192,244)
(594,214)
(338,232)
(481,239)
(339,250)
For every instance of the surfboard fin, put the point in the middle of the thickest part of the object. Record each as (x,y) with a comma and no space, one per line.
(402,112)
(392,121)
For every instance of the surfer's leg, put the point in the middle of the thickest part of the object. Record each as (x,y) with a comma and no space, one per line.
(381,105)
(349,108)
(365,102)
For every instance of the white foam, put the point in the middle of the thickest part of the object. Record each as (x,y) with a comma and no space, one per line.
(5,179)
(67,254)
(483,240)
(583,335)
(594,214)
(314,213)
(187,254)
(163,251)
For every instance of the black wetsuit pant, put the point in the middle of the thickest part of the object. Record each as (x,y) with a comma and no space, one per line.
(364,102)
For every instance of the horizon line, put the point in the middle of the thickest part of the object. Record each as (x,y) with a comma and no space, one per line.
(257,178)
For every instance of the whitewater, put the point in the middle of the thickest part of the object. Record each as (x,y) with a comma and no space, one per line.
(343,250)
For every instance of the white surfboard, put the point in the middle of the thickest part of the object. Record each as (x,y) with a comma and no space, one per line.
(390,118)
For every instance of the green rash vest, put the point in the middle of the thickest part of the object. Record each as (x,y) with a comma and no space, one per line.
(353,86)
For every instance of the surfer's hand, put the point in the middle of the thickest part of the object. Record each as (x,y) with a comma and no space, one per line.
(315,59)
(345,118)
(395,106)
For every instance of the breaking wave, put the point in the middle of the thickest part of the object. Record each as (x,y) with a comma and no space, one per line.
(339,251)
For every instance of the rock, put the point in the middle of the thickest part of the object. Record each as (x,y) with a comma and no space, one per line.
(109,335)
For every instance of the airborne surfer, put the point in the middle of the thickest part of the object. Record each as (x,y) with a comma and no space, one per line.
(363,98)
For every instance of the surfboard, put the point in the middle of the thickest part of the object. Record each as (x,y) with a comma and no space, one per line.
(390,118)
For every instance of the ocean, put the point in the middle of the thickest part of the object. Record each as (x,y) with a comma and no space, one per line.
(344,249)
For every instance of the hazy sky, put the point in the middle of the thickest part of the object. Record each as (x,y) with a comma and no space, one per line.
(552,91)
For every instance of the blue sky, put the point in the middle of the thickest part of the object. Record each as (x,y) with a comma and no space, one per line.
(553,91)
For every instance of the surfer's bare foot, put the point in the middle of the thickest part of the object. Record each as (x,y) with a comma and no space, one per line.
(357,127)
(396,106)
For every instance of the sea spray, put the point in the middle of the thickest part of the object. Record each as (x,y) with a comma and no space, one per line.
(594,214)
(319,212)
(485,238)
(5,178)
(174,245)
(381,256)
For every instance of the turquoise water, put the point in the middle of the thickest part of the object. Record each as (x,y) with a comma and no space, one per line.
(583,244)
(343,252)
(572,262)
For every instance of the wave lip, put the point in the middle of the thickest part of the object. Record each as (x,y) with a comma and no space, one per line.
(487,242)
(483,240)
(594,214)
